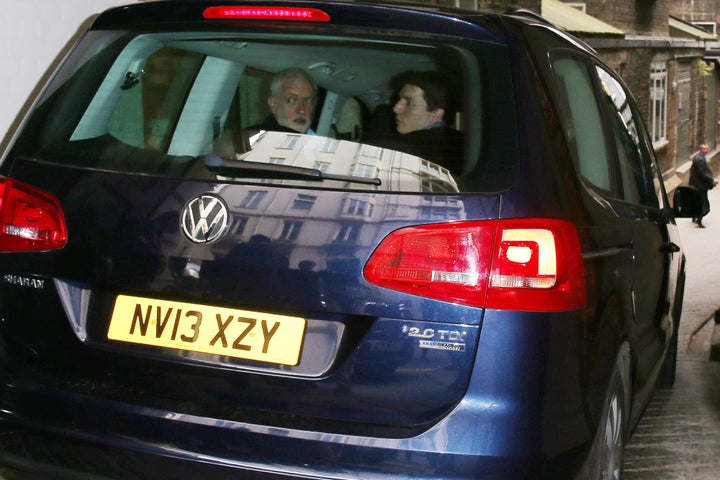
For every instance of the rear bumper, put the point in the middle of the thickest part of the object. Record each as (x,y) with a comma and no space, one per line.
(516,421)
(44,454)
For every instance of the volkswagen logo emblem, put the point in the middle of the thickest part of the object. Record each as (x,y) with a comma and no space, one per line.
(205,218)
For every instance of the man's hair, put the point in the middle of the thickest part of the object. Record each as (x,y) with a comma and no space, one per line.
(432,83)
(289,74)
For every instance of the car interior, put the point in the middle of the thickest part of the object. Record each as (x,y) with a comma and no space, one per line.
(188,95)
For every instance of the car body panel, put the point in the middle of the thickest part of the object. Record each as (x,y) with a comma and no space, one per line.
(197,243)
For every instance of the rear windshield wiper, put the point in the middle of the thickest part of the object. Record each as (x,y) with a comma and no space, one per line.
(231,168)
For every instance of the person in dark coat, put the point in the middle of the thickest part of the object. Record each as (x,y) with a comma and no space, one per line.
(701,178)
(420,125)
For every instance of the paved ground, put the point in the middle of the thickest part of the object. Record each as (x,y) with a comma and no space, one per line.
(679,436)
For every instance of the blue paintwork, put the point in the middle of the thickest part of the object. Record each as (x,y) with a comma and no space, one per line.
(516,394)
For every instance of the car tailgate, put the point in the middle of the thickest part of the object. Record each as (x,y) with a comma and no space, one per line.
(349,353)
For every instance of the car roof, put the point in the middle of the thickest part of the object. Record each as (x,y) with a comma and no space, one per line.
(420,18)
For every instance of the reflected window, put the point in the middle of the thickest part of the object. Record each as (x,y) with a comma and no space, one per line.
(432,168)
(370,151)
(634,170)
(304,202)
(429,186)
(364,170)
(289,142)
(348,233)
(357,207)
(330,146)
(252,199)
(238,225)
(322,166)
(291,229)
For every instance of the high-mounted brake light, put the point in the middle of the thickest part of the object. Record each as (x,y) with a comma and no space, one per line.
(30,219)
(266,13)
(523,264)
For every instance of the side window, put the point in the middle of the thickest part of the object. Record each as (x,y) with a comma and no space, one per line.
(152,100)
(582,121)
(625,128)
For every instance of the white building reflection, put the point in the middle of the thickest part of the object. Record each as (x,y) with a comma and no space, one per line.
(332,219)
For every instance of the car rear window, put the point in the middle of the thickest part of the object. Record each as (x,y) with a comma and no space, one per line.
(202,105)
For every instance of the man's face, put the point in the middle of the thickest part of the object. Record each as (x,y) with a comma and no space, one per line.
(293,107)
(411,111)
(704,149)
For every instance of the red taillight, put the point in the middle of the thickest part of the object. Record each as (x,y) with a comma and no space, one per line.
(537,265)
(525,264)
(30,219)
(265,13)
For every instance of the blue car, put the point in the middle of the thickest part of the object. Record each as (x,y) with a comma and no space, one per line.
(332,240)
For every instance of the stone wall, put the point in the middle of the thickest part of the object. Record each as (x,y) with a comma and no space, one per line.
(634,17)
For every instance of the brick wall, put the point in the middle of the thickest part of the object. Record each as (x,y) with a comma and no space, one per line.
(695,10)
(634,17)
(503,5)
(634,67)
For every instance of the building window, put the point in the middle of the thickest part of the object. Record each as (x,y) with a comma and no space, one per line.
(658,101)
(331,146)
(238,225)
(304,202)
(322,166)
(432,185)
(289,142)
(348,233)
(439,208)
(291,230)
(357,208)
(370,151)
(253,199)
(430,168)
(364,170)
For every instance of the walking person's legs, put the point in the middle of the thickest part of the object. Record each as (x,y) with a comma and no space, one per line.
(698,220)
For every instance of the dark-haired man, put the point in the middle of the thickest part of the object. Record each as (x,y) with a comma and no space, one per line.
(701,177)
(420,113)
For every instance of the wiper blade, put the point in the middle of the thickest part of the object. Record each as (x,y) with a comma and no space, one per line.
(230,168)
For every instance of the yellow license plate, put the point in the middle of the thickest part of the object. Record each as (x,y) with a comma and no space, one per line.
(229,332)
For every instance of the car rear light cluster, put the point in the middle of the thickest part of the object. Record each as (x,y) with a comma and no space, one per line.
(522,264)
(30,219)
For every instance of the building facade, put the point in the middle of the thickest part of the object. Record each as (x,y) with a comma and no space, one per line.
(663,57)
(665,50)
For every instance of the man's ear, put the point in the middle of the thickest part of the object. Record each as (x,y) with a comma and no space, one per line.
(437,114)
(272,103)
